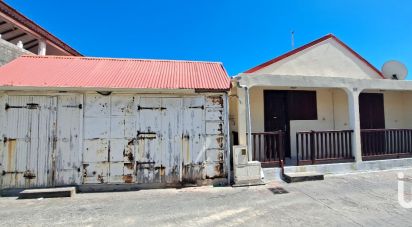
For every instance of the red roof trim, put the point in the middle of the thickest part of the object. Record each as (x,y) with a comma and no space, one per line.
(311,44)
(15,15)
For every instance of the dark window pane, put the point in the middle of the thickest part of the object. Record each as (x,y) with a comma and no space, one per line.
(372,111)
(302,105)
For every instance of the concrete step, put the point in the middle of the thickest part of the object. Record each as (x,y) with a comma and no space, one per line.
(47,193)
(247,183)
(303,176)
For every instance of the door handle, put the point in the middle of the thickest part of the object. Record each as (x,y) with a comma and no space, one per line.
(275,117)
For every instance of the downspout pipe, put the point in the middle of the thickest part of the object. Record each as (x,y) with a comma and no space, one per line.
(228,142)
(249,125)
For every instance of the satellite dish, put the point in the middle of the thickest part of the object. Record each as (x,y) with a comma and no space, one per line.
(394,70)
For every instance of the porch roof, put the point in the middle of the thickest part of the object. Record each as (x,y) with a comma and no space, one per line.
(270,80)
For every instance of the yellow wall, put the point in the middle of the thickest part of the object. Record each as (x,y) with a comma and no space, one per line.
(407,107)
(397,108)
(233,111)
(394,110)
(332,107)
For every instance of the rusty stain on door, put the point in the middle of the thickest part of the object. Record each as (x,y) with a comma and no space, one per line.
(28,140)
(120,138)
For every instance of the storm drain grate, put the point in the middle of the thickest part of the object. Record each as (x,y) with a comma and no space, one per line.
(278,190)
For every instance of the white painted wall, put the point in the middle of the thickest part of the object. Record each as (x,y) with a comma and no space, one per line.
(326,59)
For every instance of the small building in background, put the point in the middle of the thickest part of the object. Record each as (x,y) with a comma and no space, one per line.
(20,35)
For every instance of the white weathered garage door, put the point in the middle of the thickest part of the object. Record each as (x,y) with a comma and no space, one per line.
(67,154)
(137,139)
(40,141)
(28,141)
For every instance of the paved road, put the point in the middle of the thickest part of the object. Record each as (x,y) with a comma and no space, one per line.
(358,199)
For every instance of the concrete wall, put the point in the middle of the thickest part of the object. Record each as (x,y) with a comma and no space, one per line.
(394,113)
(233,113)
(9,52)
(407,100)
(332,107)
(398,108)
(326,59)
(333,111)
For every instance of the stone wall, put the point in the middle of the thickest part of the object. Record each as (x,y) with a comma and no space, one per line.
(9,52)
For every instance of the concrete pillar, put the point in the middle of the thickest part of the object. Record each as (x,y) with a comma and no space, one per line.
(354,122)
(242,116)
(249,124)
(42,48)
(20,44)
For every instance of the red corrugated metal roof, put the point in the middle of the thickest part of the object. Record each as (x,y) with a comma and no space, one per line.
(73,72)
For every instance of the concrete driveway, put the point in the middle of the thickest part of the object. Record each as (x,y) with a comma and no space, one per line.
(357,199)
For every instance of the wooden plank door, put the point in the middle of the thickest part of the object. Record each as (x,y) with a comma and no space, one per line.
(171,134)
(69,135)
(276,115)
(149,167)
(29,142)
(193,139)
(372,112)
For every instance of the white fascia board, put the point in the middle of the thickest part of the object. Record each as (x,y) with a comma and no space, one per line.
(254,80)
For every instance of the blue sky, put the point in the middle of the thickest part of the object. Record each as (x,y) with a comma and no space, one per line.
(241,34)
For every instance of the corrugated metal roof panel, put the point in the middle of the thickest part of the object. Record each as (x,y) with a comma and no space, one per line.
(63,71)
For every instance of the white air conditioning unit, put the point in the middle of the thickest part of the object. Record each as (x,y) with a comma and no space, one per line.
(245,172)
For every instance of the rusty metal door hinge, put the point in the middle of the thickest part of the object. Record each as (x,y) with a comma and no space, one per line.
(197,107)
(150,108)
(145,133)
(30,106)
(9,172)
(80,106)
(145,163)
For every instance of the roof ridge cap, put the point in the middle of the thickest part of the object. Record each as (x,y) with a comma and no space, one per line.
(119,59)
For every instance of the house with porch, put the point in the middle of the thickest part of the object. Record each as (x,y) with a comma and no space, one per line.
(322,107)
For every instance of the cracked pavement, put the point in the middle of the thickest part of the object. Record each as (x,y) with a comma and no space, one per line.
(363,199)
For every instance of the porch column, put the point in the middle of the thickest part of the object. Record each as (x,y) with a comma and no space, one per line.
(244,124)
(42,48)
(354,122)
(242,116)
